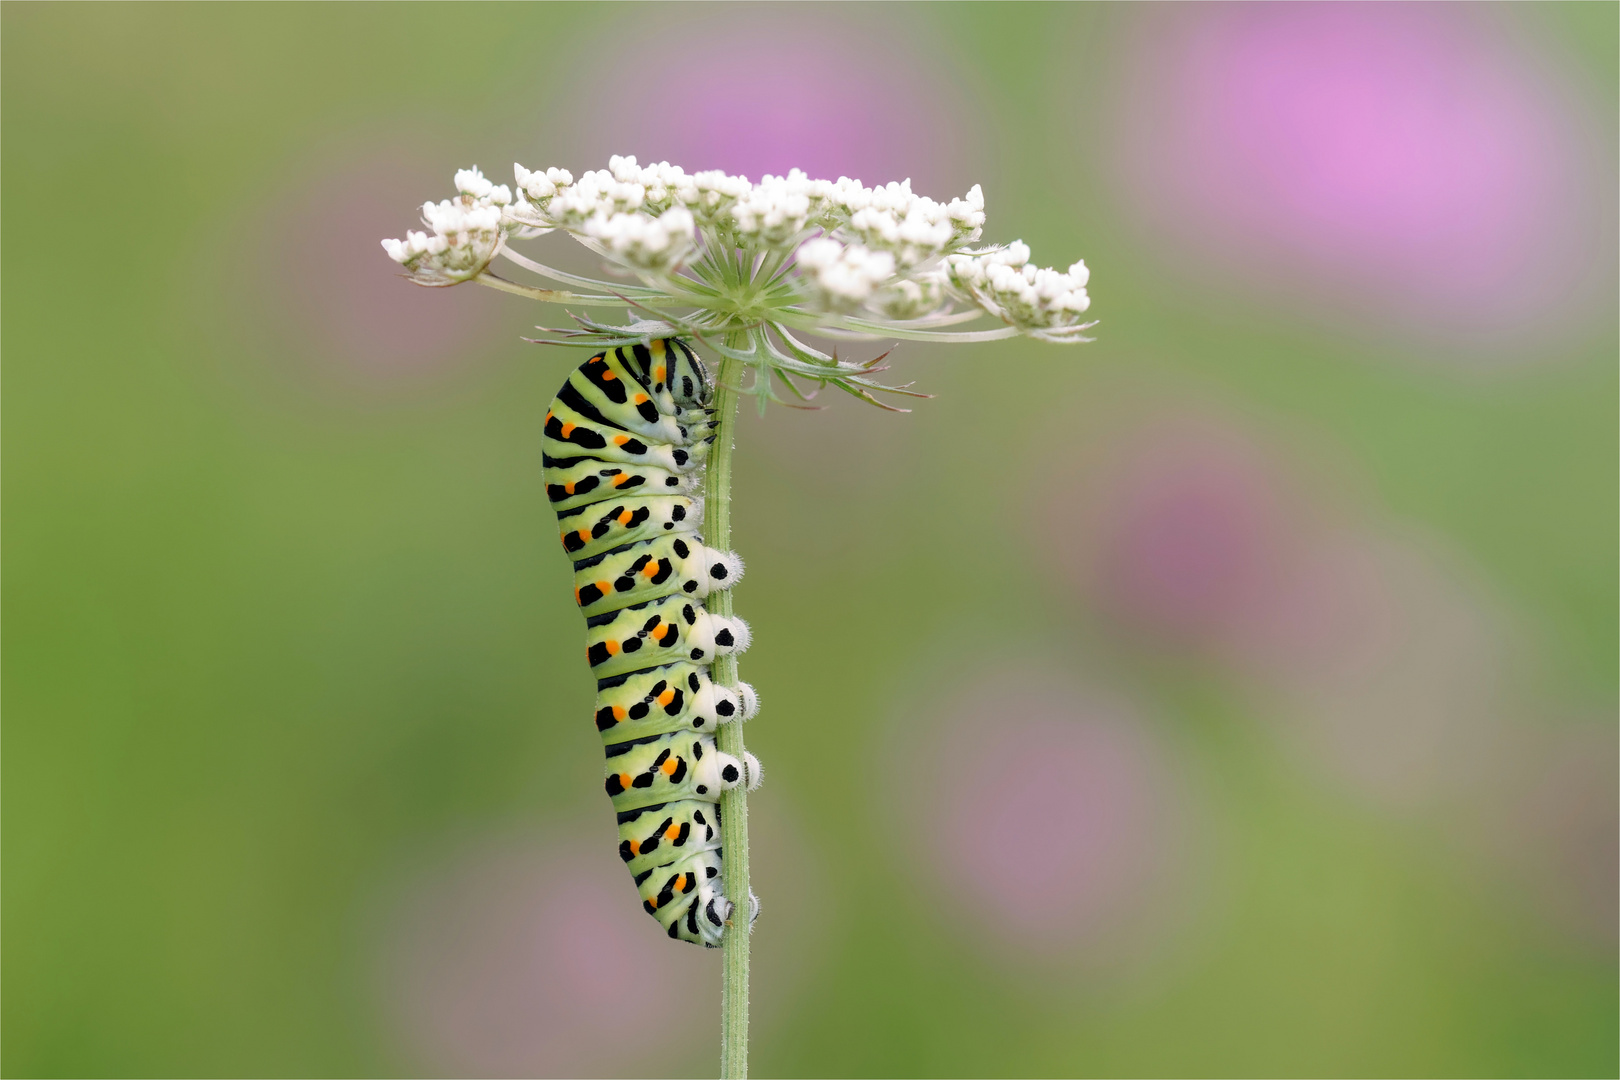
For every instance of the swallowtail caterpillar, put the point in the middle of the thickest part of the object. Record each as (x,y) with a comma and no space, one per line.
(625,443)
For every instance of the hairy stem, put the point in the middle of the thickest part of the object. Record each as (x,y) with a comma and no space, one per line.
(733,803)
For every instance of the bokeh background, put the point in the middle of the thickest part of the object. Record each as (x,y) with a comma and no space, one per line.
(1233,696)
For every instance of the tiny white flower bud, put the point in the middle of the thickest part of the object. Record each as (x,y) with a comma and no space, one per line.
(472,182)
(846,275)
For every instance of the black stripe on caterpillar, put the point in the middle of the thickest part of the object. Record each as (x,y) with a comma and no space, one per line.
(625,444)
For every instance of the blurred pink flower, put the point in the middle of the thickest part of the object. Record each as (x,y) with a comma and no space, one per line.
(1047,815)
(534,959)
(832,91)
(1181,525)
(1555,826)
(1400,157)
(1374,654)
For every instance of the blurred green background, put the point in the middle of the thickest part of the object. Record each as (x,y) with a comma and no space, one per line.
(1235,695)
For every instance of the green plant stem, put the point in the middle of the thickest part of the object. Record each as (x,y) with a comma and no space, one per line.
(733,803)
(494,281)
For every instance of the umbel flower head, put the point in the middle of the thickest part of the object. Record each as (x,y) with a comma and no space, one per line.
(742,266)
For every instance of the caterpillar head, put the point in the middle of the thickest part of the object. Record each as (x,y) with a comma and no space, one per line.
(688,381)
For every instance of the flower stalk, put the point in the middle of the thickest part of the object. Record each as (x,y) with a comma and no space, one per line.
(734,802)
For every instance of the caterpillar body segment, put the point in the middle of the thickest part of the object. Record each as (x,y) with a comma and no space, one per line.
(601,390)
(569,434)
(651,570)
(591,530)
(687,898)
(662,834)
(667,768)
(580,481)
(626,443)
(679,697)
(660,632)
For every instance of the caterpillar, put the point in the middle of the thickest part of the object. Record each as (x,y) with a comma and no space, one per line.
(625,444)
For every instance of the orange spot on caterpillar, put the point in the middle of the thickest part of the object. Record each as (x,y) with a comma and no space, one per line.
(608,376)
(604,587)
(660,371)
(624,518)
(569,487)
(672,832)
(619,440)
(680,882)
(641,399)
(620,481)
(612,647)
(624,780)
(567,430)
(635,847)
(618,713)
(670,765)
(650,569)
(585,535)
(666,697)
(577,600)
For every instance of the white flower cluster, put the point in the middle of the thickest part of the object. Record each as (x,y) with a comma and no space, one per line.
(778,211)
(846,275)
(646,243)
(914,228)
(464,233)
(541,186)
(862,245)
(844,248)
(1006,284)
